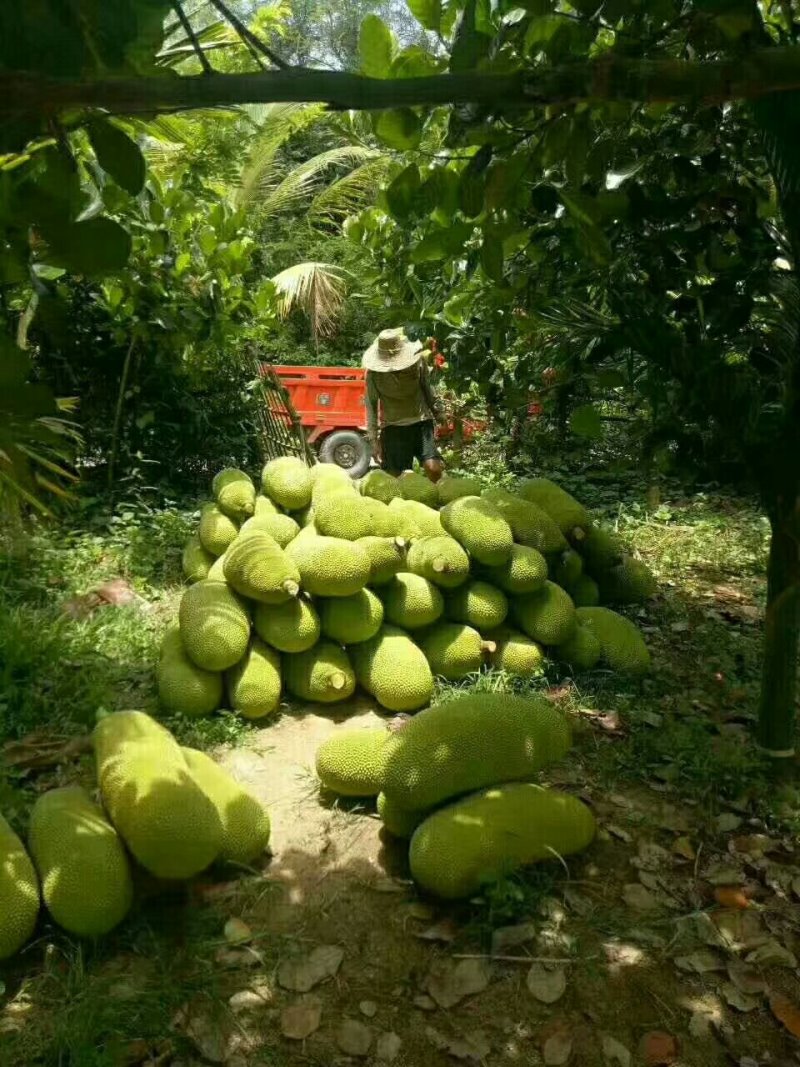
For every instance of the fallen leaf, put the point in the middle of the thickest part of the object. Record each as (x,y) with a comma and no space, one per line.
(753,844)
(424,1002)
(445,931)
(303,974)
(786,1012)
(557,1050)
(727,822)
(302,1018)
(473,1047)
(745,978)
(615,1052)
(508,937)
(208,1029)
(682,846)
(639,898)
(658,1049)
(700,1025)
(771,953)
(250,1000)
(547,982)
(741,931)
(730,896)
(618,832)
(368,1008)
(721,875)
(237,932)
(737,999)
(42,749)
(449,981)
(796,887)
(701,962)
(239,958)
(387,1047)
(353,1037)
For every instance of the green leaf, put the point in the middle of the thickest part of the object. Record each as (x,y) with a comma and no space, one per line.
(427,12)
(375,47)
(400,128)
(492,257)
(541,32)
(118,155)
(414,62)
(402,192)
(94,247)
(456,309)
(585,421)
(610,379)
(442,244)
(594,240)
(577,150)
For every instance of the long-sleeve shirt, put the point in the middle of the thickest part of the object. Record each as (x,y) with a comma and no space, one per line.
(399,398)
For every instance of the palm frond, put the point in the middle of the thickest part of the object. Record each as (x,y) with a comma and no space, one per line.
(276,124)
(301,181)
(318,289)
(351,193)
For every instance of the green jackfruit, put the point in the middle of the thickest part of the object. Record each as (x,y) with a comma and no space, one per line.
(330,474)
(515,653)
(385,558)
(399,822)
(566,569)
(470,742)
(621,641)
(215,626)
(411,602)
(564,509)
(265,506)
(478,604)
(216,530)
(489,835)
(477,524)
(351,619)
(630,582)
(524,571)
(216,572)
(287,481)
(351,762)
(548,616)
(158,808)
(245,822)
(450,489)
(329,566)
(441,560)
(600,548)
(282,528)
(417,487)
(416,520)
(581,650)
(585,593)
(289,627)
(19,893)
(195,560)
(183,687)
(530,525)
(380,486)
(254,684)
(324,674)
(82,864)
(258,568)
(349,521)
(383,521)
(394,670)
(234,493)
(452,650)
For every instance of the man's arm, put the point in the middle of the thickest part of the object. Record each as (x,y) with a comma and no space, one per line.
(427,390)
(373,400)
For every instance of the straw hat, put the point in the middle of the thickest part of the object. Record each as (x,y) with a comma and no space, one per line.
(391,350)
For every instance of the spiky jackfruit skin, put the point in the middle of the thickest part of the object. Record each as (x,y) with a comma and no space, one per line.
(581,650)
(287,482)
(329,474)
(441,560)
(566,569)
(515,653)
(351,762)
(385,558)
(489,835)
(586,592)
(399,822)
(450,489)
(195,561)
(265,506)
(621,641)
(383,521)
(323,675)
(394,670)
(166,820)
(530,525)
(82,864)
(380,486)
(548,616)
(258,568)
(183,687)
(216,531)
(329,566)
(351,619)
(349,520)
(478,525)
(561,506)
(411,602)
(630,582)
(234,493)
(254,684)
(282,528)
(290,627)
(478,604)
(524,571)
(601,549)
(245,821)
(417,487)
(470,742)
(416,520)
(214,624)
(452,649)
(19,893)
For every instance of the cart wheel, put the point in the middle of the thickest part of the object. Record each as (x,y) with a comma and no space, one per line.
(348,450)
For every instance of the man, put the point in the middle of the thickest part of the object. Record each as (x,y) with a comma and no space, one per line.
(401,400)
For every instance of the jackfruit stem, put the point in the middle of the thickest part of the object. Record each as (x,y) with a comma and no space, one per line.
(338,680)
(439,565)
(400,542)
(291,587)
(488,648)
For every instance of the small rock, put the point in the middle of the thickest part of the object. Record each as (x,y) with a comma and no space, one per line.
(250,1000)
(238,958)
(547,982)
(353,1037)
(638,898)
(302,1018)
(206,1029)
(473,1047)
(424,1002)
(508,937)
(737,999)
(387,1047)
(449,981)
(652,857)
(615,1052)
(445,931)
(658,1049)
(727,822)
(368,1008)
(237,932)
(556,1044)
(619,833)
(302,975)
(682,846)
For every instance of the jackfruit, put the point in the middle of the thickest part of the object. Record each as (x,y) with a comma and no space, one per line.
(254,684)
(394,670)
(289,627)
(452,650)
(264,506)
(515,653)
(350,521)
(82,864)
(581,650)
(324,674)
(489,835)
(417,487)
(216,531)
(383,521)
(385,558)
(282,528)
(477,524)
(399,822)
(257,567)
(351,619)
(441,560)
(470,742)
(380,486)
(329,566)
(287,481)
(234,493)
(215,626)
(245,821)
(195,561)
(548,616)
(183,687)
(416,520)
(524,571)
(478,604)
(585,593)
(159,810)
(621,641)
(19,893)
(530,525)
(411,602)
(600,548)
(216,572)
(630,582)
(329,474)
(567,569)
(564,509)
(450,489)
(351,762)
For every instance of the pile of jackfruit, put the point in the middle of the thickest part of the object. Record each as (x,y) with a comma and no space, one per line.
(311,584)
(168,810)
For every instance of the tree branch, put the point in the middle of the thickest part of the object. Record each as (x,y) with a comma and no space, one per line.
(188,30)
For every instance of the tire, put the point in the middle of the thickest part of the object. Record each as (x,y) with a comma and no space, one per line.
(347,449)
